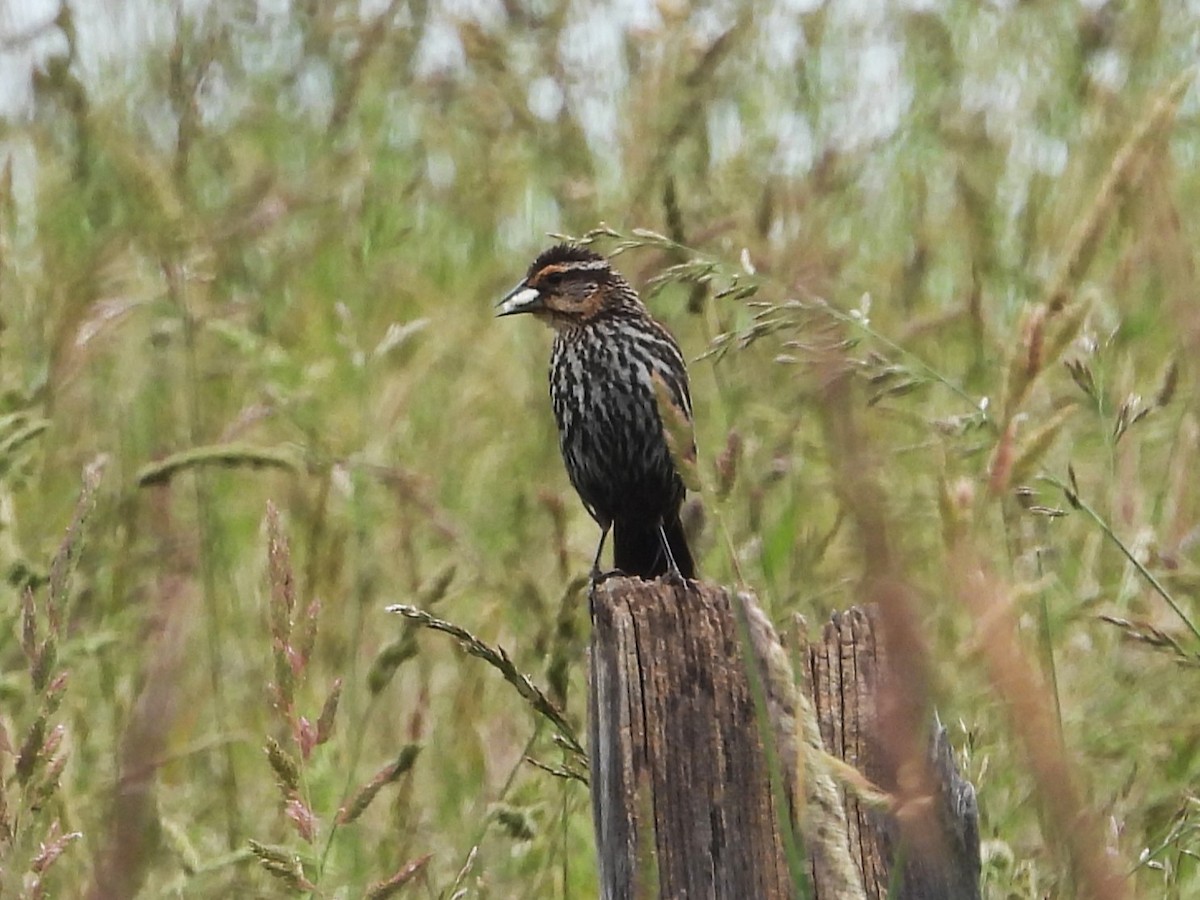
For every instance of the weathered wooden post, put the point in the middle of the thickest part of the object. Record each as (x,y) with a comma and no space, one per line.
(694,752)
(681,792)
(846,666)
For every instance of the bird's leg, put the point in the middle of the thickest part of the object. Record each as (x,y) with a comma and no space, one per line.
(597,575)
(673,576)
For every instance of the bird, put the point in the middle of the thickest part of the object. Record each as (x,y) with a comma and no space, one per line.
(610,364)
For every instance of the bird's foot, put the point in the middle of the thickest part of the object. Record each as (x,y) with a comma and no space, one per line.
(599,577)
(674,578)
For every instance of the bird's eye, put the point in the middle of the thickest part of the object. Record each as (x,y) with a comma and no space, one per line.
(553,278)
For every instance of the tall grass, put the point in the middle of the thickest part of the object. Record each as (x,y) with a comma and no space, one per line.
(255,263)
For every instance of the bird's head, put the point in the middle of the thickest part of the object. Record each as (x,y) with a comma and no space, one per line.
(567,286)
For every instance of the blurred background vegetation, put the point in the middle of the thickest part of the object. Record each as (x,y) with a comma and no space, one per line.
(248,253)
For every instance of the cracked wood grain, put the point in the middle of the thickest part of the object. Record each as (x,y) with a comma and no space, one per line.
(682,790)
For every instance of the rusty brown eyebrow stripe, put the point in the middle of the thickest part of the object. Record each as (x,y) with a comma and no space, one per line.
(546,271)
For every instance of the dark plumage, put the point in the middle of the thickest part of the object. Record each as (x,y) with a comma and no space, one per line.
(607,353)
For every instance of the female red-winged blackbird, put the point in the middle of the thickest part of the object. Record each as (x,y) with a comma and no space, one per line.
(607,355)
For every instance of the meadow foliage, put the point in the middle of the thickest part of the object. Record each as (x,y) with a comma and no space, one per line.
(935,266)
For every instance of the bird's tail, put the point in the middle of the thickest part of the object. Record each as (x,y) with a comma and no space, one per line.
(638,548)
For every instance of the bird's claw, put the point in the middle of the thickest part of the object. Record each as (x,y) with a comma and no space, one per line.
(674,578)
(599,577)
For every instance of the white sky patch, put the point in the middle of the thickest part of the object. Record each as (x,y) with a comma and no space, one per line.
(545,98)
(1109,69)
(440,51)
(875,99)
(524,230)
(999,95)
(781,39)
(20,154)
(864,90)
(159,120)
(590,50)
(110,34)
(801,6)
(1040,153)
(488,14)
(404,122)
(638,15)
(216,101)
(313,92)
(27,44)
(711,22)
(724,126)
(795,145)
(440,170)
(277,43)
(283,8)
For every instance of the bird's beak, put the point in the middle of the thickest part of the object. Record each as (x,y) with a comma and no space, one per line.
(521,299)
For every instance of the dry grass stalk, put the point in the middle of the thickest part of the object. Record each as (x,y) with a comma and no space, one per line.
(371,37)
(903,703)
(1066,327)
(288,664)
(1027,360)
(49,850)
(1084,378)
(325,722)
(293,638)
(1071,490)
(68,551)
(31,839)
(515,821)
(727,465)
(226,456)
(286,769)
(552,502)
(128,850)
(1043,341)
(1032,714)
(681,439)
(52,848)
(292,644)
(499,659)
(1127,169)
(387,775)
(382,890)
(389,660)
(1152,636)
(302,818)
(1013,464)
(558,771)
(282,864)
